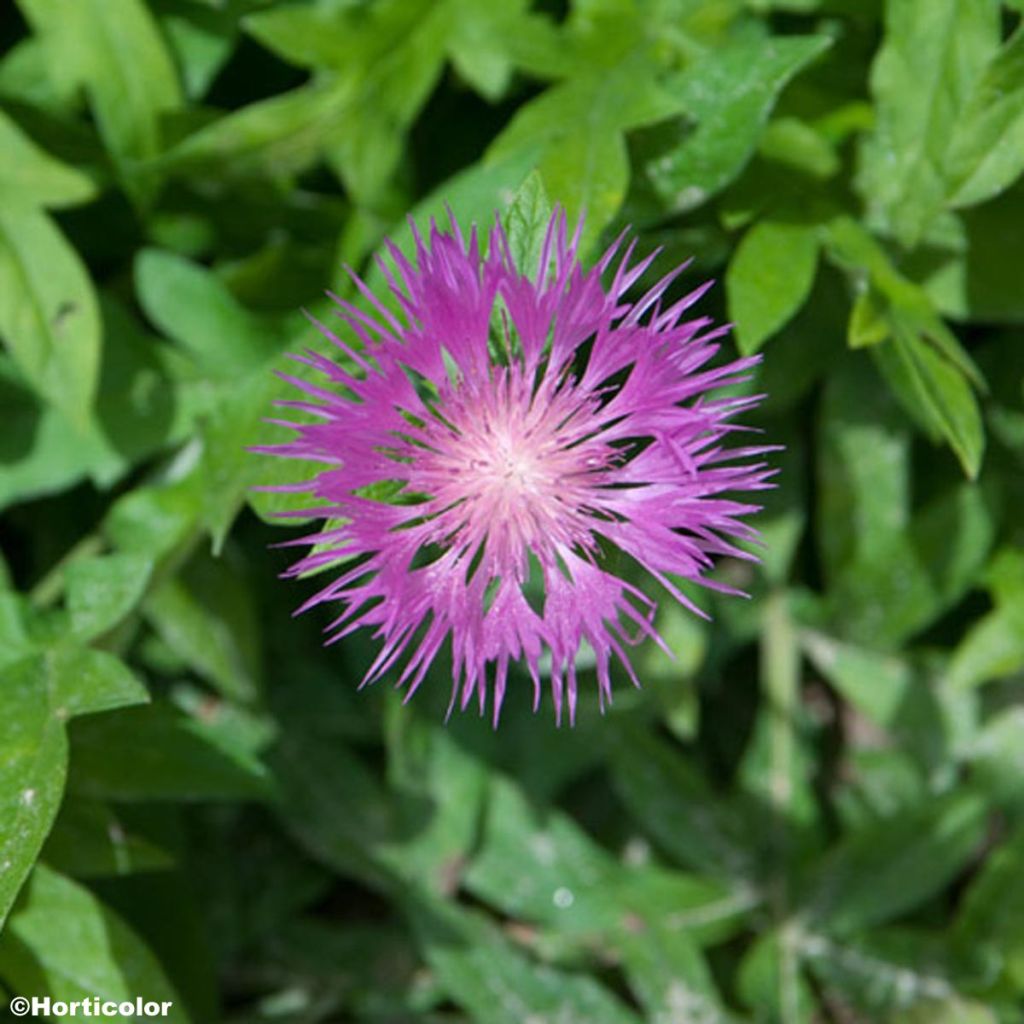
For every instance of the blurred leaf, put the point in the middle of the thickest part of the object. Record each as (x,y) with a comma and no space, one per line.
(539,866)
(949,1011)
(772,982)
(116,51)
(938,393)
(770,277)
(729,93)
(82,681)
(669,976)
(206,617)
(891,571)
(152,521)
(674,802)
(48,313)
(139,408)
(32,177)
(934,51)
(987,142)
(878,685)
(102,591)
(440,791)
(332,804)
(40,693)
(190,305)
(886,869)
(981,281)
(385,62)
(31,775)
(157,753)
(885,972)
(994,644)
(229,470)
(996,756)
(275,137)
(494,982)
(574,132)
(991,912)
(924,362)
(790,141)
(64,943)
(90,840)
(482,43)
(201,40)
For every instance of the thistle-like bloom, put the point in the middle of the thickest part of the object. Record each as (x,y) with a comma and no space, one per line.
(505,450)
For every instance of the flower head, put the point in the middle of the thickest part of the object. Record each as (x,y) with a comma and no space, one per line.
(498,451)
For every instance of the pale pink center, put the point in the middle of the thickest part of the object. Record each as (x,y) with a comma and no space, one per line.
(511,470)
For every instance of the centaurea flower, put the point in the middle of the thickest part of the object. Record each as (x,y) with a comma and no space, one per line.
(500,447)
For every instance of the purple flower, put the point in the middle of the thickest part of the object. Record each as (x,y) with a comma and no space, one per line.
(502,452)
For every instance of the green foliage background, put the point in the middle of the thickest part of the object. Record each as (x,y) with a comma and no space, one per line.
(815,814)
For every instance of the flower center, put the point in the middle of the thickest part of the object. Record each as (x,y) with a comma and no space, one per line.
(511,470)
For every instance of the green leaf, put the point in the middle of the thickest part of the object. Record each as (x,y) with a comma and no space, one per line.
(48,311)
(333,805)
(574,133)
(91,840)
(996,757)
(991,912)
(526,223)
(669,976)
(190,305)
(63,942)
(482,972)
(885,972)
(980,281)
(40,692)
(427,768)
(207,618)
(276,137)
(539,865)
(994,644)
(769,278)
(31,774)
(729,92)
(888,868)
(934,50)
(924,362)
(202,42)
(116,51)
(138,409)
(671,798)
(30,176)
(127,71)
(102,591)
(891,571)
(229,470)
(152,521)
(878,685)
(158,753)
(771,980)
(938,393)
(986,148)
(83,681)
(385,63)
(482,43)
